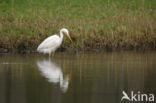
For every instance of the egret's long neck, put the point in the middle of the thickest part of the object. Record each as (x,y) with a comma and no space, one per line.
(61,35)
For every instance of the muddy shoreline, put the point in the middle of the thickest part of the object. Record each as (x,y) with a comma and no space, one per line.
(4,50)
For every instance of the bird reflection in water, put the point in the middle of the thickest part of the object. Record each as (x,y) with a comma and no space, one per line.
(53,73)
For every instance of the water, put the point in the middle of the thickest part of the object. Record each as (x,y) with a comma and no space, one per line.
(76,77)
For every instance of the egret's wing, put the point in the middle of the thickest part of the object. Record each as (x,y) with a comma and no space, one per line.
(51,41)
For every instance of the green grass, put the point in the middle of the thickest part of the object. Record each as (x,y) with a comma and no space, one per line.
(106,24)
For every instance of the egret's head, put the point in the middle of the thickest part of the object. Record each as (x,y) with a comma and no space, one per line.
(66,32)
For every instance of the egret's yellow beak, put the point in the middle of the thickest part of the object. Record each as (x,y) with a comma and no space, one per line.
(69,37)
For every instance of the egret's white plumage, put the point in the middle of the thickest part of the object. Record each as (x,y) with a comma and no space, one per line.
(53,42)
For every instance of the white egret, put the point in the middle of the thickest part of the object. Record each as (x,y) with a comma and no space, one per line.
(50,44)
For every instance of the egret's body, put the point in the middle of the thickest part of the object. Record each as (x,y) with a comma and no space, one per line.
(53,42)
(50,44)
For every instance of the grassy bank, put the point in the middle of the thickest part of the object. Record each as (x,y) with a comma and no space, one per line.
(107,24)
